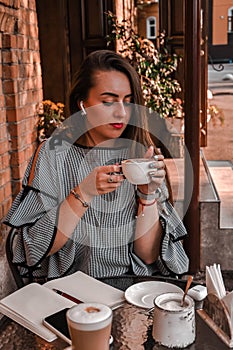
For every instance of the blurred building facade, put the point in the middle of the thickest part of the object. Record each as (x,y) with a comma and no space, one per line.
(148,19)
(221,30)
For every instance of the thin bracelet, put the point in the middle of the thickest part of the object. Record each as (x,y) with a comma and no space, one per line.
(145,205)
(77,196)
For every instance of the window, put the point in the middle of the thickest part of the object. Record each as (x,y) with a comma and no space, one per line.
(230,20)
(151,27)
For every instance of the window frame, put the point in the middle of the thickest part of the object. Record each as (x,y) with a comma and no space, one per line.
(230,20)
(149,26)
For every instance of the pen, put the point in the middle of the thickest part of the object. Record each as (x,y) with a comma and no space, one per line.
(67,296)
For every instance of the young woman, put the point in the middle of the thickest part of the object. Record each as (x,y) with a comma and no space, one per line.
(80,213)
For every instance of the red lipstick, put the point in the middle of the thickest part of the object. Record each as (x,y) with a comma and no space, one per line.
(117,125)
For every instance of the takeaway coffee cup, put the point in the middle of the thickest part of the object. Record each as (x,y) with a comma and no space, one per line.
(137,170)
(173,324)
(89,326)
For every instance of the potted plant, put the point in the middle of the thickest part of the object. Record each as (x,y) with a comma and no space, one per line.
(155,65)
(50,116)
(156,68)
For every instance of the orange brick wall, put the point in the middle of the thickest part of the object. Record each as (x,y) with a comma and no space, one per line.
(20,92)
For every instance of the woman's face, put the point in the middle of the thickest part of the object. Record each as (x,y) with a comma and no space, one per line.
(108,106)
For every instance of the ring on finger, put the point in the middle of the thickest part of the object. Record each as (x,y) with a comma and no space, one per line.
(110,179)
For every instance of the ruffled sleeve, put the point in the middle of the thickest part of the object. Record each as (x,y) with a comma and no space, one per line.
(35,212)
(173,258)
(172,254)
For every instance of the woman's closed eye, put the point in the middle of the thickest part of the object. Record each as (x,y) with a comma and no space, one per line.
(110,103)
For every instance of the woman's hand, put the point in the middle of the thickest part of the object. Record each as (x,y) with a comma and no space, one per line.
(101,180)
(157,172)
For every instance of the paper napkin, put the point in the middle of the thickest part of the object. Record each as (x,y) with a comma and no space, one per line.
(215,285)
(214,281)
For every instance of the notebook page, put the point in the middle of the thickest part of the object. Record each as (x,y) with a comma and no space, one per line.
(87,289)
(30,304)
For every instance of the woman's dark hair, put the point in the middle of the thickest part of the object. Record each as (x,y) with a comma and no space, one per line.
(102,60)
(84,80)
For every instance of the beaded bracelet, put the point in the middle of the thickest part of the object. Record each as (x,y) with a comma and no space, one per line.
(77,196)
(145,205)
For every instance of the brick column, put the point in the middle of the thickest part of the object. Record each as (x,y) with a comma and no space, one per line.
(20,92)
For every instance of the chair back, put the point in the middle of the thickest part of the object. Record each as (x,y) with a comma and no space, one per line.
(15,268)
(9,254)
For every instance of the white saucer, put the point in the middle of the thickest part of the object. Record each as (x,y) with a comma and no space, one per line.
(142,294)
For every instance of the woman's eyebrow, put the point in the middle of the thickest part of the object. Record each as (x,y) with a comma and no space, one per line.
(114,95)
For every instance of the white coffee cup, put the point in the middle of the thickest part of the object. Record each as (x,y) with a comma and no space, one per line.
(90,326)
(137,170)
(173,324)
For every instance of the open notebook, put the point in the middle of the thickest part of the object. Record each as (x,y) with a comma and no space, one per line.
(31,304)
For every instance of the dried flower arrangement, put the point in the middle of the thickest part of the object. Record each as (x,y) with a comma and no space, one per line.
(50,116)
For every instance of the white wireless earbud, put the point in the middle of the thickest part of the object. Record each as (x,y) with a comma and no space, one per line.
(82,108)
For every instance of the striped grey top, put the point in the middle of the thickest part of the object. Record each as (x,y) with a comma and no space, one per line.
(102,243)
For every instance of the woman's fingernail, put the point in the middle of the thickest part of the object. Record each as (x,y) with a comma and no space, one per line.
(152,173)
(156,157)
(152,165)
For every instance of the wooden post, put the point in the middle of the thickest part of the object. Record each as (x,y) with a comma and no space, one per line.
(192,130)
